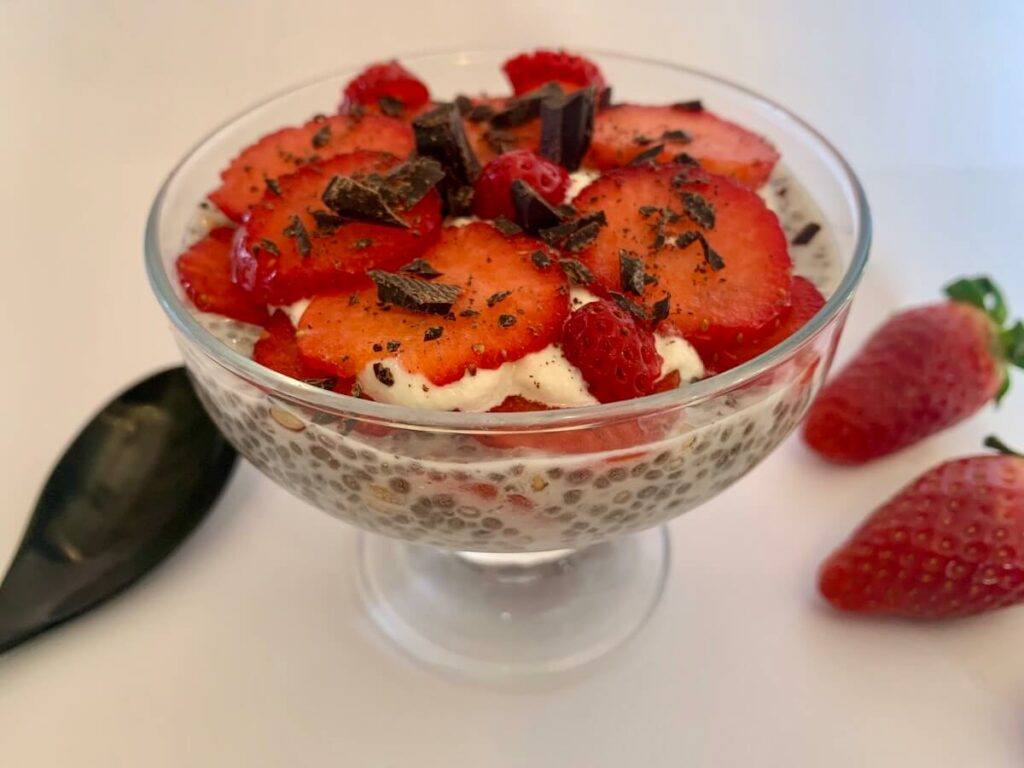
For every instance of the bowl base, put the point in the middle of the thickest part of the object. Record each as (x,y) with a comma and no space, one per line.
(507,616)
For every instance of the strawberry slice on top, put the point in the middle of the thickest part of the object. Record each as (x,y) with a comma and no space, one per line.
(697,253)
(528,71)
(293,245)
(388,87)
(204,271)
(486,300)
(491,140)
(276,348)
(258,167)
(625,131)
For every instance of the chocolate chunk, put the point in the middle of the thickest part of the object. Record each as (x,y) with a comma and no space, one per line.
(384,374)
(272,185)
(327,223)
(575,234)
(694,105)
(360,199)
(632,274)
(407,184)
(685,158)
(322,137)
(440,135)
(523,109)
(433,332)
(629,305)
(479,113)
(269,246)
(297,230)
(506,321)
(540,259)
(649,155)
(711,256)
(566,127)
(805,235)
(660,310)
(421,269)
(464,104)
(576,271)
(688,238)
(565,210)
(699,209)
(496,298)
(533,212)
(414,294)
(677,135)
(604,98)
(393,346)
(506,227)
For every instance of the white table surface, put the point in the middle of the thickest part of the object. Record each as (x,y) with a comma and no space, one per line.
(248,647)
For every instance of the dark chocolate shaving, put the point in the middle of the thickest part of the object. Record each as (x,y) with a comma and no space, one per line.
(506,321)
(360,199)
(468,313)
(805,235)
(685,158)
(648,210)
(433,332)
(540,259)
(384,374)
(441,136)
(393,346)
(533,212)
(506,227)
(391,106)
(632,273)
(327,223)
(407,184)
(322,137)
(575,234)
(711,256)
(629,305)
(297,230)
(523,109)
(272,185)
(269,246)
(660,310)
(421,269)
(414,294)
(566,127)
(677,135)
(497,298)
(694,105)
(576,271)
(696,206)
(649,155)
(642,141)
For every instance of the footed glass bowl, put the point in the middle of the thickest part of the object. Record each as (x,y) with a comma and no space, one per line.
(511,543)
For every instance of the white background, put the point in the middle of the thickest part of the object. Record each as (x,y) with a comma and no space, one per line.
(248,648)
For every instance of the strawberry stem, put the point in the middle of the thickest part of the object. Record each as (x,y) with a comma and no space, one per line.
(982,293)
(995,443)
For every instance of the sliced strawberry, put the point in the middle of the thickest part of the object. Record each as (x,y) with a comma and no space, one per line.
(508,307)
(487,141)
(258,167)
(683,223)
(204,271)
(532,70)
(493,196)
(624,131)
(806,301)
(283,262)
(390,81)
(276,348)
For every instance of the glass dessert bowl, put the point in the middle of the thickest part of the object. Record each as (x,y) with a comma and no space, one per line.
(500,544)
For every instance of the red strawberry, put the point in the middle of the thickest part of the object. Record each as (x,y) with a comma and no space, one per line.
(709,245)
(924,370)
(258,166)
(949,544)
(806,301)
(388,80)
(204,271)
(614,352)
(528,71)
(276,348)
(493,196)
(282,262)
(507,308)
(489,142)
(624,131)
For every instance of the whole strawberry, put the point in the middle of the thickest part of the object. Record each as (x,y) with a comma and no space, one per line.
(493,195)
(386,80)
(924,370)
(615,353)
(949,544)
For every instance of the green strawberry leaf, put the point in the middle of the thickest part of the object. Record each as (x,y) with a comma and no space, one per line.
(982,293)
(995,443)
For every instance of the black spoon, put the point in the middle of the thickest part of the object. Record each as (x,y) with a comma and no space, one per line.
(134,483)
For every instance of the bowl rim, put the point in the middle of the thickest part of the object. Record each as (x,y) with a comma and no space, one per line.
(302,394)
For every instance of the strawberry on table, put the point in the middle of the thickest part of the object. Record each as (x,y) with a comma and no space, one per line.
(204,271)
(528,71)
(276,348)
(806,301)
(705,257)
(475,300)
(258,167)
(624,131)
(614,351)
(387,86)
(949,544)
(925,369)
(294,246)
(493,196)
